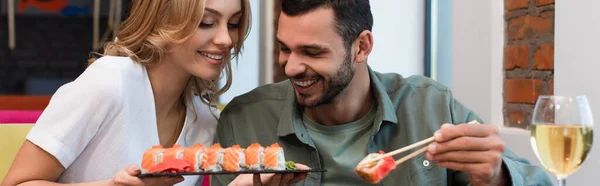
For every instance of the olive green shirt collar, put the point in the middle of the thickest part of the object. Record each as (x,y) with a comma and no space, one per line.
(292,115)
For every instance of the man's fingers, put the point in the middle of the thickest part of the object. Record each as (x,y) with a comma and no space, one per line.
(449,131)
(478,170)
(275,180)
(286,178)
(173,180)
(301,167)
(466,144)
(298,177)
(256,180)
(466,157)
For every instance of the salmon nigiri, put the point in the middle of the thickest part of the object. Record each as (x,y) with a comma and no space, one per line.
(274,158)
(195,155)
(254,156)
(152,157)
(175,152)
(376,171)
(213,159)
(234,159)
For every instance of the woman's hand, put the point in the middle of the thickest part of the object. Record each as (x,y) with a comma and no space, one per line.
(128,177)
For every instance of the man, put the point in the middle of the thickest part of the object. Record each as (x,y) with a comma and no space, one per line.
(334,110)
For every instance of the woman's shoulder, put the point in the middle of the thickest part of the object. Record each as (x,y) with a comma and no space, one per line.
(105,78)
(116,64)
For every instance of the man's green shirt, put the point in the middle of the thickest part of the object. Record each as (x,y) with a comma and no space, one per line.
(408,110)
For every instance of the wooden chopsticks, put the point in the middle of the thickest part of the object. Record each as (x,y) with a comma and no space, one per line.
(401,150)
(404,149)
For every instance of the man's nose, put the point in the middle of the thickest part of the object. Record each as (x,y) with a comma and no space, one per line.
(294,65)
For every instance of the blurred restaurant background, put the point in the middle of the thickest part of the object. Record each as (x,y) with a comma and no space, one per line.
(497,56)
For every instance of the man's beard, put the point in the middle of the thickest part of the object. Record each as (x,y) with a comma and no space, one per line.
(334,87)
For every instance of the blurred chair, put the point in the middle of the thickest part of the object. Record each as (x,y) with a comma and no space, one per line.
(23,102)
(18,113)
(19,116)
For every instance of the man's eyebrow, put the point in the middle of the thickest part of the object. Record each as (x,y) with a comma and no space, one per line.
(280,42)
(306,46)
(313,46)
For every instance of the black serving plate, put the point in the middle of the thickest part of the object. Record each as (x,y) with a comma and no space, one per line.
(226,172)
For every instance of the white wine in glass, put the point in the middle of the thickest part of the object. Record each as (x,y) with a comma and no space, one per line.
(562,133)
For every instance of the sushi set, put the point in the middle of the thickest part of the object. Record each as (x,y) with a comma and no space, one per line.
(198,160)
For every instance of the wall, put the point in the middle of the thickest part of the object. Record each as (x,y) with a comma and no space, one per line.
(398,37)
(245,72)
(475,58)
(576,55)
(480,27)
(528,58)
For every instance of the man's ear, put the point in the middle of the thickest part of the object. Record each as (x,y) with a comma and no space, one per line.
(364,41)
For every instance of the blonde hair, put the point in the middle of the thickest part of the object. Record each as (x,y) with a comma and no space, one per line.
(153,25)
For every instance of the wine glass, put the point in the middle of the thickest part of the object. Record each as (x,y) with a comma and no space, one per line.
(562,133)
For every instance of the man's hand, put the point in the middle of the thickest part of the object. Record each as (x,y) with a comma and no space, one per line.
(271,179)
(472,148)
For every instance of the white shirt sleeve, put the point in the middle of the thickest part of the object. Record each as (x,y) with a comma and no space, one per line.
(76,111)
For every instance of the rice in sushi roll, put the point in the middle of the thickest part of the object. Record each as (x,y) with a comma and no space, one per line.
(254,156)
(152,157)
(195,155)
(234,159)
(214,159)
(274,158)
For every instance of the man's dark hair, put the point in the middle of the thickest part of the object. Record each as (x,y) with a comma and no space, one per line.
(351,16)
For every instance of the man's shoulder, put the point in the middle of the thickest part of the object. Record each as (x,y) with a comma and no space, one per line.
(395,83)
(269,95)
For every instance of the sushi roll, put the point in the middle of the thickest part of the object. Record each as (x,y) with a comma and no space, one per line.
(375,171)
(195,155)
(213,160)
(175,152)
(254,156)
(151,158)
(274,158)
(234,159)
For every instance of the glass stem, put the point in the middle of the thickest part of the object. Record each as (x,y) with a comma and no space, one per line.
(562,181)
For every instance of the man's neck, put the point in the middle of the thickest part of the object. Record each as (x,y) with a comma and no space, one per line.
(353,103)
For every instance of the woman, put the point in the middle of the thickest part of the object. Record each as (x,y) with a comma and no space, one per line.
(153,86)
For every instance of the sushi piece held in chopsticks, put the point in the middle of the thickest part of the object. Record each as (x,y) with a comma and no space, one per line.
(254,156)
(234,160)
(151,158)
(274,158)
(214,159)
(195,155)
(375,171)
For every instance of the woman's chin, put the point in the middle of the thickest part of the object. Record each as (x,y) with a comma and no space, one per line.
(208,76)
